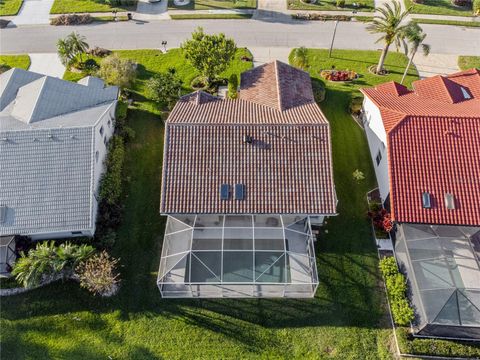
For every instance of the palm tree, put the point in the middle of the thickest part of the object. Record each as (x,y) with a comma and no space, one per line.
(78,44)
(65,52)
(414,36)
(300,57)
(389,24)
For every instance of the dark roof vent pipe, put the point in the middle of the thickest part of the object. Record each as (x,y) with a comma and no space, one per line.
(248,139)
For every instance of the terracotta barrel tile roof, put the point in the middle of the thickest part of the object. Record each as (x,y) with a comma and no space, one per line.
(286,168)
(433,143)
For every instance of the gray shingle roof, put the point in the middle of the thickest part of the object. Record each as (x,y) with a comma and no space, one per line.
(47,163)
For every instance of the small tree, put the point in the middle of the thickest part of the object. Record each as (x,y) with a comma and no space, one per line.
(389,24)
(78,44)
(233,86)
(413,39)
(65,52)
(72,46)
(165,88)
(300,58)
(358,175)
(117,71)
(209,54)
(98,274)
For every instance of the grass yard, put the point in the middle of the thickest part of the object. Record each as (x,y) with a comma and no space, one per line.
(214,4)
(10,61)
(438,7)
(330,5)
(448,22)
(345,320)
(10,7)
(468,62)
(86,6)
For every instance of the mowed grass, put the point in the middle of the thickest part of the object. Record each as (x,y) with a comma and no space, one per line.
(345,320)
(448,22)
(10,7)
(438,7)
(214,4)
(18,61)
(468,62)
(331,5)
(85,6)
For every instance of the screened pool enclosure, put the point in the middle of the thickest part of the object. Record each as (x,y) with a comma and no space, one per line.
(442,266)
(238,256)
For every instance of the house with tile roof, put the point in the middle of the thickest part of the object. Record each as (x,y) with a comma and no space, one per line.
(53,142)
(243,180)
(425,148)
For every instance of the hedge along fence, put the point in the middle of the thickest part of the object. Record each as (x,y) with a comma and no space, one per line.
(396,285)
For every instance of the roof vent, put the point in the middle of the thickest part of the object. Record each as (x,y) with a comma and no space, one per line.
(465,94)
(224,191)
(449,201)
(248,139)
(239,191)
(427,204)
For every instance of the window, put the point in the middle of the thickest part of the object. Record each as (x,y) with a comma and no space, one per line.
(378,159)
(97,154)
(465,94)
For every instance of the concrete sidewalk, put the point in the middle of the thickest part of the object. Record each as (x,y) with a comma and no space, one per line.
(47,64)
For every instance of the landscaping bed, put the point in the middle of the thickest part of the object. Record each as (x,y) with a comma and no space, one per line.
(91,6)
(468,62)
(213,4)
(9,61)
(331,5)
(438,7)
(10,7)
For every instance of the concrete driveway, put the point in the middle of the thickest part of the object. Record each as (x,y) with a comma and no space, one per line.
(34,12)
(46,64)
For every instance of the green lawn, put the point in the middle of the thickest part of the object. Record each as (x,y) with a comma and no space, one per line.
(85,6)
(345,320)
(330,5)
(19,61)
(438,7)
(448,22)
(468,62)
(214,4)
(10,7)
(210,16)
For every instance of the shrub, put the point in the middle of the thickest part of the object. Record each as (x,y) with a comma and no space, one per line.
(72,19)
(340,3)
(462,2)
(98,274)
(322,17)
(233,86)
(111,183)
(300,57)
(319,91)
(358,175)
(164,88)
(48,260)
(395,282)
(99,52)
(381,220)
(117,71)
(356,105)
(476,7)
(4,68)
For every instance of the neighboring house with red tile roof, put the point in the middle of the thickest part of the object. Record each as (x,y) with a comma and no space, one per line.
(425,148)
(251,169)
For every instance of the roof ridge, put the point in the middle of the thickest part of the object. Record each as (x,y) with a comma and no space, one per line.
(277,83)
(35,106)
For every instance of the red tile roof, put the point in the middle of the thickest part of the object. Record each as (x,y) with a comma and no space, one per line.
(433,143)
(286,169)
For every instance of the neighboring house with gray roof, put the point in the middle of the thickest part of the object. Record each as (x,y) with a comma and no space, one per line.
(53,142)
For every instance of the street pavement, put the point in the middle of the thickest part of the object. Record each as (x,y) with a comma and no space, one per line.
(251,33)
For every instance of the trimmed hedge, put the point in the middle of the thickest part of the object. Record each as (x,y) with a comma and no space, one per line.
(416,346)
(396,285)
(233,86)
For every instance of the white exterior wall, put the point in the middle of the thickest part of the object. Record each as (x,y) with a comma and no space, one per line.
(377,142)
(61,235)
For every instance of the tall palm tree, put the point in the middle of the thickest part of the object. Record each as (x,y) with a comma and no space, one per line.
(389,24)
(413,40)
(78,44)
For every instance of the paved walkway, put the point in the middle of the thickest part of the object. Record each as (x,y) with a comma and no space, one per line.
(34,12)
(262,55)
(46,64)
(435,64)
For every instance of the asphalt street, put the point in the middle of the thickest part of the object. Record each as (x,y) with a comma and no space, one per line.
(259,33)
